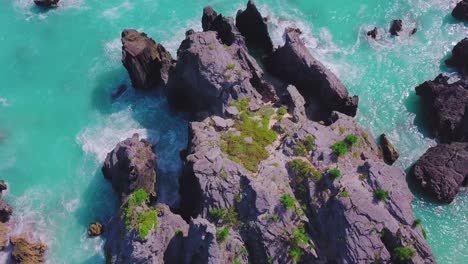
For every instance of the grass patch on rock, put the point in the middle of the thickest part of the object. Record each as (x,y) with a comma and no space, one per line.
(142,221)
(381,194)
(403,253)
(222,234)
(303,169)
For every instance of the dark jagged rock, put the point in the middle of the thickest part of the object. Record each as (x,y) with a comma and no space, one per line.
(26,251)
(459,58)
(3,186)
(5,211)
(442,170)
(147,62)
(295,103)
(95,229)
(254,28)
(46,3)
(209,16)
(224,26)
(447,106)
(396,27)
(131,166)
(294,64)
(460,12)
(390,153)
(373,33)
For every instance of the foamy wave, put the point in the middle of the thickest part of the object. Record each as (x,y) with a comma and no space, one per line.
(113,13)
(113,50)
(4,102)
(102,139)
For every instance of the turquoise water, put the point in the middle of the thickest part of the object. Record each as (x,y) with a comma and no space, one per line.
(58,121)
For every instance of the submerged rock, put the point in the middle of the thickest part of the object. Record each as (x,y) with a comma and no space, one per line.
(131,166)
(294,64)
(396,27)
(373,33)
(254,28)
(460,12)
(442,170)
(447,107)
(390,153)
(46,3)
(95,229)
(5,211)
(26,251)
(147,62)
(459,58)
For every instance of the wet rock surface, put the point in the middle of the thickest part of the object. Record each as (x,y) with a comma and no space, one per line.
(459,58)
(390,153)
(442,170)
(460,12)
(95,229)
(46,3)
(396,27)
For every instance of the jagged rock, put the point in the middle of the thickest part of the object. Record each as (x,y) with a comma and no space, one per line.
(373,33)
(162,244)
(294,64)
(459,59)
(4,238)
(253,27)
(131,166)
(95,229)
(46,3)
(442,170)
(5,211)
(26,251)
(460,12)
(224,26)
(447,107)
(3,186)
(295,102)
(147,62)
(390,153)
(396,27)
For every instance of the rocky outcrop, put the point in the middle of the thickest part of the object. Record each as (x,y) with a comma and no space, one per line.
(294,64)
(147,62)
(442,170)
(46,3)
(5,211)
(390,153)
(131,166)
(396,27)
(374,33)
(95,229)
(459,58)
(253,27)
(446,106)
(26,251)
(223,26)
(460,12)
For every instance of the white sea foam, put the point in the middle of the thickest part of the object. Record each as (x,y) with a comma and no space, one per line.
(113,50)
(4,102)
(115,12)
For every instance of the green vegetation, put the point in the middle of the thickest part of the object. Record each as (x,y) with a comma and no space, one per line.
(403,253)
(228,216)
(340,148)
(179,232)
(288,201)
(244,251)
(230,67)
(309,143)
(251,126)
(334,173)
(417,222)
(304,146)
(142,221)
(225,46)
(146,221)
(363,177)
(281,112)
(299,238)
(237,261)
(222,234)
(381,194)
(134,200)
(351,139)
(300,149)
(302,169)
(295,254)
(344,194)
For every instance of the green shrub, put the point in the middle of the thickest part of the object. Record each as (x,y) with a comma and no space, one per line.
(298,239)
(225,46)
(288,201)
(241,105)
(417,222)
(295,254)
(179,232)
(137,198)
(302,169)
(237,261)
(300,149)
(281,112)
(147,220)
(334,173)
(424,233)
(381,194)
(309,143)
(340,148)
(344,194)
(351,139)
(403,253)
(222,234)
(230,67)
(228,216)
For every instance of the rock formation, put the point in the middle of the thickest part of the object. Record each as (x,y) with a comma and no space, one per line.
(95,229)
(294,64)
(373,33)
(131,166)
(46,3)
(390,153)
(147,62)
(26,251)
(442,170)
(460,12)
(446,106)
(396,27)
(254,28)
(459,58)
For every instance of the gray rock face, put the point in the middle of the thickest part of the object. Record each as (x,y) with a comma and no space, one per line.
(390,153)
(224,26)
(447,106)
(459,59)
(442,170)
(253,27)
(294,64)
(147,62)
(295,103)
(460,12)
(131,166)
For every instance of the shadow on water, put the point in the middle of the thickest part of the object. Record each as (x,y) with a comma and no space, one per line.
(108,84)
(450,20)
(414,104)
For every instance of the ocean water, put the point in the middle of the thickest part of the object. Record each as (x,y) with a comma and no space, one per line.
(58,120)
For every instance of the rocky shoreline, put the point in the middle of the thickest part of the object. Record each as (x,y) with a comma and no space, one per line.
(275,171)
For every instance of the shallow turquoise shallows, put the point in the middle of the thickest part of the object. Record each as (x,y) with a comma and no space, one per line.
(58,121)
